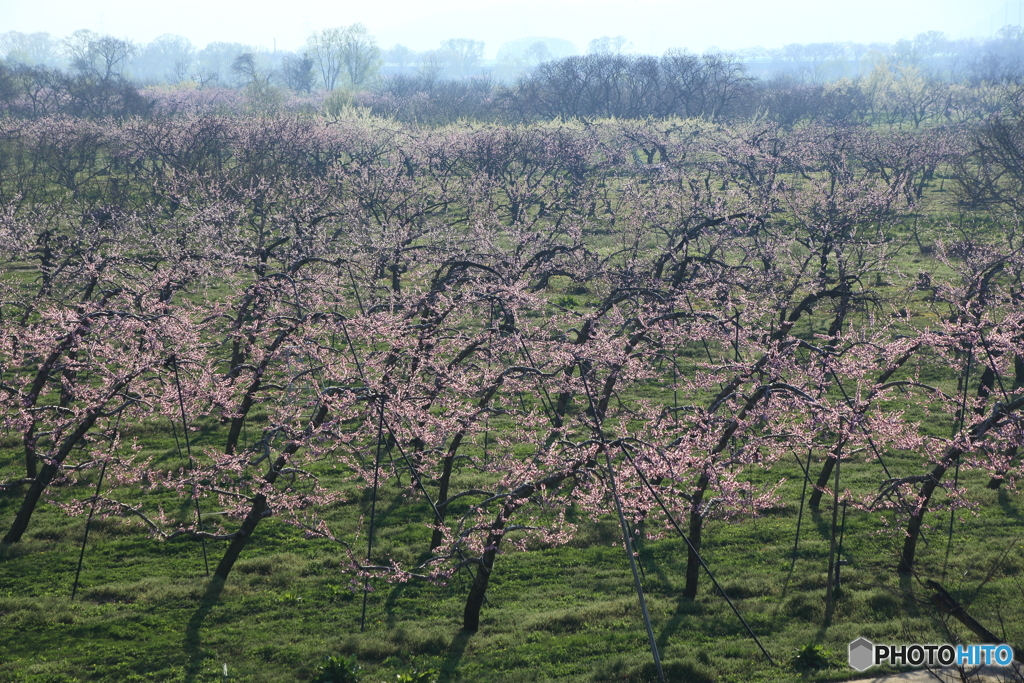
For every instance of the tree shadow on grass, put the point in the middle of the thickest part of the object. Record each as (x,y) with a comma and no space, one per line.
(193,641)
(822,522)
(384,514)
(686,611)
(454,656)
(1008,504)
(911,603)
(392,603)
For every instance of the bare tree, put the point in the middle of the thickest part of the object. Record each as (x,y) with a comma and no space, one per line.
(103,57)
(33,49)
(463,54)
(400,57)
(609,46)
(298,73)
(348,51)
(213,63)
(245,67)
(323,47)
(168,57)
(360,54)
(992,173)
(537,54)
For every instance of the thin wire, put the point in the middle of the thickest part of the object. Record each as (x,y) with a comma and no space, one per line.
(626,536)
(401,451)
(956,477)
(92,510)
(803,496)
(373,510)
(704,564)
(188,446)
(85,536)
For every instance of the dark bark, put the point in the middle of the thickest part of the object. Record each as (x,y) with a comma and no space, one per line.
(259,508)
(28,504)
(826,473)
(29,439)
(907,556)
(1011,453)
(250,393)
(997,479)
(31,460)
(696,521)
(475,599)
(695,530)
(257,511)
(514,500)
(830,462)
(443,485)
(948,604)
(49,471)
(949,458)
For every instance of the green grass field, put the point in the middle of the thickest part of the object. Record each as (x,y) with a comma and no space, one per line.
(145,610)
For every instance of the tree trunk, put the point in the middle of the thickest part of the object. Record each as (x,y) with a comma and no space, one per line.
(948,604)
(1018,381)
(28,504)
(250,393)
(38,384)
(258,511)
(475,599)
(259,508)
(906,563)
(997,479)
(819,486)
(235,432)
(826,468)
(442,497)
(952,455)
(696,527)
(48,472)
(444,483)
(31,460)
(826,472)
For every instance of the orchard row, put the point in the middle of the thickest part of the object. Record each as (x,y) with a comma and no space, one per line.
(512,321)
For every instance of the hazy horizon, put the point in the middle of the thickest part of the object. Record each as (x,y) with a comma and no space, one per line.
(652,26)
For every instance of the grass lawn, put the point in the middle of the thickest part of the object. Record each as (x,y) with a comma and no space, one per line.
(146,611)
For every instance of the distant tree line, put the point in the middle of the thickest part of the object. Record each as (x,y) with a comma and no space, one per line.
(627,86)
(998,59)
(927,80)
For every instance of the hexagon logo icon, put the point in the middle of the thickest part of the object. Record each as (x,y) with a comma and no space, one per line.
(862,654)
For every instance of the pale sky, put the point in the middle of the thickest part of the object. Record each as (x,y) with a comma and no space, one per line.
(652,25)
